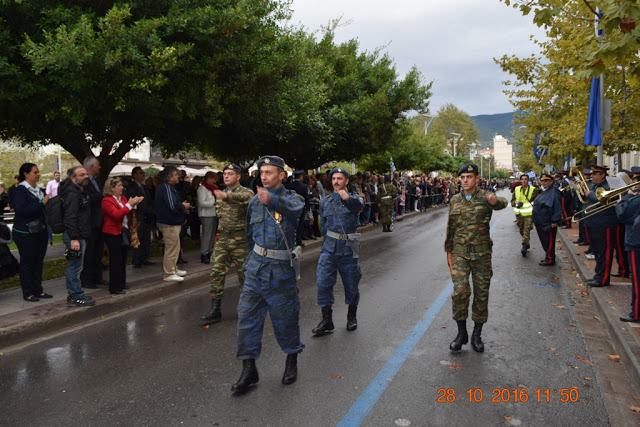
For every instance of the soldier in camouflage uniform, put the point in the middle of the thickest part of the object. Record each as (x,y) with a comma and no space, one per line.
(386,195)
(270,277)
(231,247)
(468,247)
(340,250)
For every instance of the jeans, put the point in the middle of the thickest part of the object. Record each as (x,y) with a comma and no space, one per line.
(74,268)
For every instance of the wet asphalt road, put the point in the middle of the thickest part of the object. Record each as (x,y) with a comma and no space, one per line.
(155,366)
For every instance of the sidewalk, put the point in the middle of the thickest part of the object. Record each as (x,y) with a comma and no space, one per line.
(21,320)
(611,302)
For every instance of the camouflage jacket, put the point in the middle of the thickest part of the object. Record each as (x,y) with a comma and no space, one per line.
(232,211)
(386,189)
(468,225)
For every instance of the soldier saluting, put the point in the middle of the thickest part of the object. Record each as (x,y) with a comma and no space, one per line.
(339,213)
(468,247)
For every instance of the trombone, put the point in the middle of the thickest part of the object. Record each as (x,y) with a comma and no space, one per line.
(607,199)
(580,184)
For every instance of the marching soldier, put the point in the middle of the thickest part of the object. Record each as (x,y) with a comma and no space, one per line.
(386,194)
(468,247)
(270,277)
(601,228)
(340,250)
(522,202)
(231,246)
(547,214)
(628,211)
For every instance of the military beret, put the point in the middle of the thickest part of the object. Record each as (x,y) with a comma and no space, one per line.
(599,168)
(270,161)
(299,172)
(546,175)
(468,168)
(343,171)
(233,167)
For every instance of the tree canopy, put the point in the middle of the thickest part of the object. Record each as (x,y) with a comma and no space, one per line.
(228,78)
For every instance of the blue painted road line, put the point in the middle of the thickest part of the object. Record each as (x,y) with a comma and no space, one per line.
(367,400)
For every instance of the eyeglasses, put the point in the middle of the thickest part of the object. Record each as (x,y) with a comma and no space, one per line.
(546,179)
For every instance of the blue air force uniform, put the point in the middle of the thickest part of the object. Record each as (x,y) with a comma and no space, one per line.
(340,218)
(270,283)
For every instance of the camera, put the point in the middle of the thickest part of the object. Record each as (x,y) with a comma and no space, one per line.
(71,254)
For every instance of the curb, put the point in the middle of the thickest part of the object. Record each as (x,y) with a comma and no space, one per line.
(61,317)
(625,342)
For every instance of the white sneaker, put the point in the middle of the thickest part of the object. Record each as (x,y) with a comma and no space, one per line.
(590,256)
(181,273)
(173,278)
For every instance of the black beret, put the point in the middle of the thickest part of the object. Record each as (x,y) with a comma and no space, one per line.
(233,167)
(271,161)
(343,171)
(468,168)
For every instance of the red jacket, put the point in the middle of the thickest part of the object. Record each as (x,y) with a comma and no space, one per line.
(114,215)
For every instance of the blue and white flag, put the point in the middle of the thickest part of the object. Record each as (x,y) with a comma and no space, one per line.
(393,166)
(592,134)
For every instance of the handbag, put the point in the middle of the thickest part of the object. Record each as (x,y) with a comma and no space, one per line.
(36,226)
(126,236)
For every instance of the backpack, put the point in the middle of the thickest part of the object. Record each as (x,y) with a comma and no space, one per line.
(55,215)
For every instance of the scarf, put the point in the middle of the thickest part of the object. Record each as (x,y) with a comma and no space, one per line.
(35,191)
(210,187)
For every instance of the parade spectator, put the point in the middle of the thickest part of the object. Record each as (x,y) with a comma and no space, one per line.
(91,275)
(77,229)
(170,212)
(194,219)
(144,217)
(16,183)
(4,201)
(52,186)
(207,213)
(117,212)
(30,231)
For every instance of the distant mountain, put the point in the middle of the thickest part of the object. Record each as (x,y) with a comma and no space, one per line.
(491,124)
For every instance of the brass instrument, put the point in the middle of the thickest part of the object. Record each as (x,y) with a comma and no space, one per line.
(607,199)
(580,184)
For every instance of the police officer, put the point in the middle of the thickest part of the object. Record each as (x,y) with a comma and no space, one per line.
(270,278)
(231,246)
(601,228)
(522,202)
(547,214)
(468,247)
(386,195)
(340,250)
(628,211)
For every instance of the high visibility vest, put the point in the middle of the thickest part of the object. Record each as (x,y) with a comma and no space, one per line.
(524,197)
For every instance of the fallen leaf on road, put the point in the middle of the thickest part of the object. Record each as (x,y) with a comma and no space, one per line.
(584,293)
(587,378)
(589,300)
(389,379)
(336,376)
(552,348)
(572,324)
(508,419)
(636,397)
(560,306)
(614,357)
(609,302)
(596,317)
(635,408)
(455,366)
(557,354)
(443,327)
(584,360)
(206,326)
(553,303)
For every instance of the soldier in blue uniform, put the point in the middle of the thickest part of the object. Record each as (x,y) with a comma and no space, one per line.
(270,277)
(547,214)
(601,228)
(340,250)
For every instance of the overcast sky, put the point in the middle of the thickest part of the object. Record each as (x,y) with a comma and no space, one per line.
(452,42)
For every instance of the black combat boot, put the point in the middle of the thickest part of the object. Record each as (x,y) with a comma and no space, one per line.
(290,369)
(326,324)
(352,322)
(248,377)
(476,341)
(461,338)
(214,315)
(204,259)
(524,249)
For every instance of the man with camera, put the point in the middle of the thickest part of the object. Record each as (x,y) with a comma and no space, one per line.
(77,229)
(522,202)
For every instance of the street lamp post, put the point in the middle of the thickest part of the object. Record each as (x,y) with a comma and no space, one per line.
(456,138)
(427,122)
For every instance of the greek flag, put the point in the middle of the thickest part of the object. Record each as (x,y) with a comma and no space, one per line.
(393,166)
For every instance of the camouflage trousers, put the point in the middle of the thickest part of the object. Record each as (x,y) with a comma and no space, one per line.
(327,273)
(480,269)
(525,224)
(279,298)
(386,211)
(226,252)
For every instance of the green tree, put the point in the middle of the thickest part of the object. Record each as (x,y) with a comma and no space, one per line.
(451,120)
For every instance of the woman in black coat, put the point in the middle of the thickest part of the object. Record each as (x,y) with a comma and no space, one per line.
(30,231)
